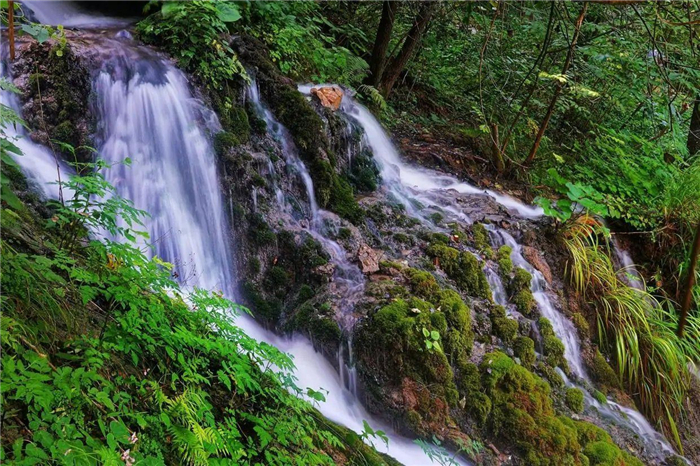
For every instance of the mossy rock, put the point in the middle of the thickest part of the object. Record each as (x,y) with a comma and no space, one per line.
(481,240)
(553,349)
(608,454)
(524,349)
(522,413)
(318,323)
(581,324)
(503,327)
(224,141)
(520,281)
(505,263)
(549,373)
(574,399)
(524,302)
(463,268)
(603,373)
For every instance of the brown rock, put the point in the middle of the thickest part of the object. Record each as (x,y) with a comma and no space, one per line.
(534,257)
(369,259)
(330,96)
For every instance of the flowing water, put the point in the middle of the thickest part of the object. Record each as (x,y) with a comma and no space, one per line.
(38,162)
(147,113)
(411,183)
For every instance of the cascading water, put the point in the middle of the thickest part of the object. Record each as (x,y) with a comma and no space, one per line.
(147,113)
(411,183)
(43,169)
(348,279)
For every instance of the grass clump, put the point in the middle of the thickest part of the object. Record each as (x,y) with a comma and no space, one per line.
(650,359)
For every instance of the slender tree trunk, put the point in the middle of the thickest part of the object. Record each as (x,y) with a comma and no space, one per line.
(559,86)
(690,282)
(414,37)
(11,27)
(694,132)
(381,43)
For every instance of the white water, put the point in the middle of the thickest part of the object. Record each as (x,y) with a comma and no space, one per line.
(349,281)
(42,168)
(147,113)
(410,183)
(68,14)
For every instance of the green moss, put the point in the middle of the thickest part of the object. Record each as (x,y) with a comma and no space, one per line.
(404,239)
(581,324)
(600,397)
(311,254)
(342,200)
(259,231)
(524,349)
(277,281)
(436,218)
(555,380)
(505,328)
(318,323)
(439,238)
(305,293)
(223,141)
(254,265)
(524,301)
(344,233)
(505,263)
(588,433)
(522,413)
(479,407)
(258,181)
(601,453)
(553,350)
(481,240)
(603,373)
(463,268)
(364,174)
(65,132)
(269,310)
(574,399)
(521,281)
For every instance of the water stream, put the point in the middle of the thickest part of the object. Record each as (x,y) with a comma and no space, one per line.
(146,112)
(410,183)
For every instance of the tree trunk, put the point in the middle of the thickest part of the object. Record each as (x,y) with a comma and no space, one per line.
(690,281)
(381,44)
(694,132)
(559,86)
(413,39)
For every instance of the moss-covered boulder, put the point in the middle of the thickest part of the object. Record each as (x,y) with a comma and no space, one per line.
(462,267)
(522,412)
(305,126)
(552,347)
(480,236)
(574,399)
(520,293)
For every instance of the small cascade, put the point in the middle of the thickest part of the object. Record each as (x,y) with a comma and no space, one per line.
(412,184)
(44,170)
(628,270)
(348,280)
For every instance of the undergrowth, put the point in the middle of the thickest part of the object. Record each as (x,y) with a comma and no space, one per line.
(634,327)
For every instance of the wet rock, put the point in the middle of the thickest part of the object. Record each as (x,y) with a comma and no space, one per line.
(368,258)
(329,97)
(534,257)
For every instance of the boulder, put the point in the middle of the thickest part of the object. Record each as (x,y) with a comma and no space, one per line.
(329,97)
(534,257)
(368,258)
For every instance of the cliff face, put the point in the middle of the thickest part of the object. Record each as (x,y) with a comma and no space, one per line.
(427,309)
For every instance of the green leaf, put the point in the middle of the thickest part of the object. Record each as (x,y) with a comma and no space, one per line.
(227,12)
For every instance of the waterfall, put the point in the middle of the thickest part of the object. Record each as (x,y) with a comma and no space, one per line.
(41,166)
(147,113)
(411,183)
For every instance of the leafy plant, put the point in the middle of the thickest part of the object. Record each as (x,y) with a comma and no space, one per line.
(193,32)
(432,340)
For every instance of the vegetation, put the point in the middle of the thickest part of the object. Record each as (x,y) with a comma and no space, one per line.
(636,329)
